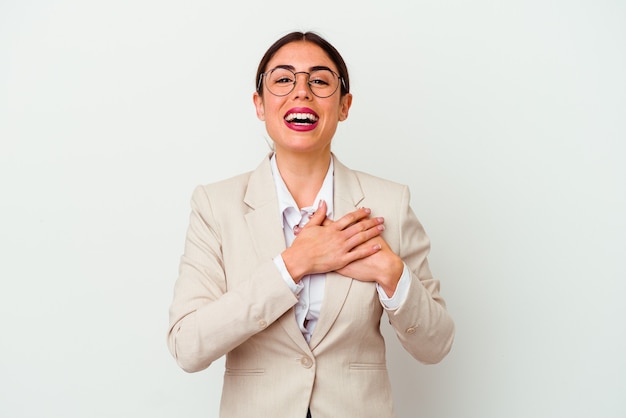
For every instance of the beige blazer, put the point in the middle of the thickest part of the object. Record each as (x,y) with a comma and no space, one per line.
(230,300)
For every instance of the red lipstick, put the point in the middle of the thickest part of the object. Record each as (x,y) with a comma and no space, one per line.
(301,119)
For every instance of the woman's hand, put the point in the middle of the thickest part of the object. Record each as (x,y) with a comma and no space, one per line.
(383,267)
(324,245)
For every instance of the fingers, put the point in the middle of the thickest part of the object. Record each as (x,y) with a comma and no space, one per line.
(316,219)
(319,215)
(364,231)
(352,218)
(365,225)
(356,227)
(365,250)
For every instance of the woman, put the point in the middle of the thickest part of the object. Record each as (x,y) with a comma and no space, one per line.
(288,269)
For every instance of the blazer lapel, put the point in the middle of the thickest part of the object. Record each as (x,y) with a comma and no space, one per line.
(263,219)
(347,196)
(265,226)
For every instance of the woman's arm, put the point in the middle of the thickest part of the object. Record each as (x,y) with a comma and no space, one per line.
(207,320)
(422,323)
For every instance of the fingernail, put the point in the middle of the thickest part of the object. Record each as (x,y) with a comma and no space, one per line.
(319,205)
(381,227)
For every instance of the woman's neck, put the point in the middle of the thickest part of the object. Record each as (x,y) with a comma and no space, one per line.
(303,175)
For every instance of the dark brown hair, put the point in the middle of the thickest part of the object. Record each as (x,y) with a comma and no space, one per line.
(314,38)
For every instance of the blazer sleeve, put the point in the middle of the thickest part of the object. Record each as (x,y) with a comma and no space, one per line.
(421,323)
(207,317)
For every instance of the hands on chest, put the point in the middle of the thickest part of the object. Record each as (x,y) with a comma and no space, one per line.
(351,246)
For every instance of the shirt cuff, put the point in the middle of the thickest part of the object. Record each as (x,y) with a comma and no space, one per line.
(399,296)
(296,288)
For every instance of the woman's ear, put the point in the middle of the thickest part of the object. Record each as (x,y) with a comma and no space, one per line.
(344,106)
(258,104)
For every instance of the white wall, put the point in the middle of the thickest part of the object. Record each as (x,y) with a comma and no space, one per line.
(507,119)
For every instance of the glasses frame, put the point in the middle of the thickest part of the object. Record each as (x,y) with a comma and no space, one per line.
(295,79)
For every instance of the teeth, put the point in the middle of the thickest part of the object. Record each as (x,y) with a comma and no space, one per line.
(301,116)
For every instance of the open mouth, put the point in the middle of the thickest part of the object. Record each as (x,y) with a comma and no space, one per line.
(301,119)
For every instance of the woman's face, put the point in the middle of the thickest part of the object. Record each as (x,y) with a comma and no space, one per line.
(315,134)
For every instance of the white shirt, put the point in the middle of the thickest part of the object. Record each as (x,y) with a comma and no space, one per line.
(310,289)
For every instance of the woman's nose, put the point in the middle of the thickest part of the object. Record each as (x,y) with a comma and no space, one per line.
(302,88)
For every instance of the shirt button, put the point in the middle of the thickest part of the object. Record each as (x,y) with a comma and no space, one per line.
(306,362)
(411,330)
(262,323)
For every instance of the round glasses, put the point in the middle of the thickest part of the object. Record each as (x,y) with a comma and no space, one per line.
(281,81)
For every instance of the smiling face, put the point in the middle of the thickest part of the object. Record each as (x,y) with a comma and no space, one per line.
(301,122)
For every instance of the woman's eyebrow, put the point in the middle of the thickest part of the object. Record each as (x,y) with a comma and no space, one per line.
(320,67)
(286,67)
(314,68)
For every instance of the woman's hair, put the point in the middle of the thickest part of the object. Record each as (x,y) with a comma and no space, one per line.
(314,38)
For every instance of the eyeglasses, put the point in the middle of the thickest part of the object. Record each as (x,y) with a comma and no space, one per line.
(281,81)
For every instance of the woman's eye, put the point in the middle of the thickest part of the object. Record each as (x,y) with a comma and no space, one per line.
(319,82)
(284,80)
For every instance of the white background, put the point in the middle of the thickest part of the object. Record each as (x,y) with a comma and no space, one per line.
(506,119)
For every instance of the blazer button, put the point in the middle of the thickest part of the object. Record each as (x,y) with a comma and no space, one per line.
(306,362)
(410,330)
(262,323)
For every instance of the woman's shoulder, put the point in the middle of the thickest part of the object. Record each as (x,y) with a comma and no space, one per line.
(222,192)
(367,178)
(233,190)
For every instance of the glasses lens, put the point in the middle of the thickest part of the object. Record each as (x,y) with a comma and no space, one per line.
(323,82)
(280,81)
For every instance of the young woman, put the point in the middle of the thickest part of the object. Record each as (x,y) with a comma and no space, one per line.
(287,269)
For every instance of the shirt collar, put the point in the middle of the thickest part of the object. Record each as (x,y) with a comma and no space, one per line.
(287,207)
